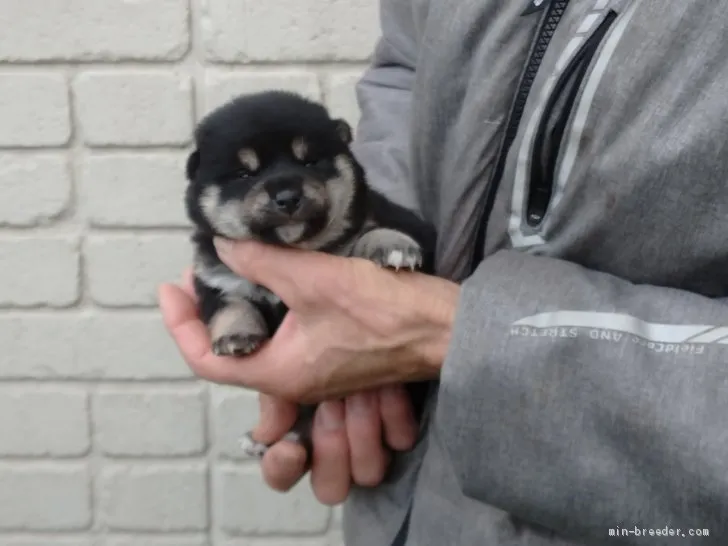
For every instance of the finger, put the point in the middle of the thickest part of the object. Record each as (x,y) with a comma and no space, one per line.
(293,275)
(398,420)
(330,470)
(277,417)
(364,429)
(283,465)
(188,284)
(179,313)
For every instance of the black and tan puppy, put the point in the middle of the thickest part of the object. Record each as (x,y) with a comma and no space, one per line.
(275,167)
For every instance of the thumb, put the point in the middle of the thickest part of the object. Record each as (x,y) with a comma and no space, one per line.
(284,271)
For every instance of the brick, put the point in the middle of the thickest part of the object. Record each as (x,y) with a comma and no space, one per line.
(159,498)
(134,189)
(150,422)
(44,497)
(307,541)
(129,347)
(245,505)
(126,270)
(235,412)
(223,85)
(335,538)
(42,422)
(340,92)
(34,109)
(134,108)
(290,30)
(90,346)
(102,30)
(140,540)
(56,541)
(337,517)
(44,271)
(34,189)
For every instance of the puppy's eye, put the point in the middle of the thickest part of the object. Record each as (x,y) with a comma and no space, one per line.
(313,163)
(243,173)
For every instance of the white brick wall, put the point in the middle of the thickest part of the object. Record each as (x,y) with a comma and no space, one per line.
(106,439)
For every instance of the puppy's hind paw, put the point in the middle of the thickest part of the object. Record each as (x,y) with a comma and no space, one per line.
(252,448)
(237,345)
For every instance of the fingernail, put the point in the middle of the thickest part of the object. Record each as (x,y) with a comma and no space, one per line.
(330,416)
(223,246)
(360,404)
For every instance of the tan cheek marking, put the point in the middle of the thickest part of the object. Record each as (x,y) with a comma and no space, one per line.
(341,191)
(249,159)
(300,148)
(227,218)
(342,188)
(260,200)
(210,201)
(315,192)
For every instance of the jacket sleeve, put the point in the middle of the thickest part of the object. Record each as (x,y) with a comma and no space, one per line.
(384,97)
(582,402)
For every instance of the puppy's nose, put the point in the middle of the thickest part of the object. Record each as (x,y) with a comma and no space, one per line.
(288,199)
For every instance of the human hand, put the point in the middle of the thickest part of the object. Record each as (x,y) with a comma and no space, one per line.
(347,446)
(351,325)
(347,437)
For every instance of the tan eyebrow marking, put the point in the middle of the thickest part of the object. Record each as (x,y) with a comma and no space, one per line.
(300,148)
(249,159)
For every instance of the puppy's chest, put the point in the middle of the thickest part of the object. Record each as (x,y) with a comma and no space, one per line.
(233,286)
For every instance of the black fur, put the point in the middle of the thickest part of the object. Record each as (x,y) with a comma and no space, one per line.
(268,124)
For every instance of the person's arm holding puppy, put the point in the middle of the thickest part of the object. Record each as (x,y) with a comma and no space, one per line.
(351,325)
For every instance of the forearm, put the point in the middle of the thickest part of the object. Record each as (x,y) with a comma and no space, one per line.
(577,400)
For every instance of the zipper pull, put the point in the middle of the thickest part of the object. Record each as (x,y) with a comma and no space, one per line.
(534,6)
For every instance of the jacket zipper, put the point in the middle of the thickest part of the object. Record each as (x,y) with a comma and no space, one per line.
(555,10)
(553,123)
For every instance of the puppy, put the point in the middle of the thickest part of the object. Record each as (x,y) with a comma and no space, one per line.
(276,167)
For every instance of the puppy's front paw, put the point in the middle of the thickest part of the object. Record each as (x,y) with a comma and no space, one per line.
(400,258)
(389,248)
(237,345)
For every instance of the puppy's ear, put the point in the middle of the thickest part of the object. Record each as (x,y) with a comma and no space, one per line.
(343,129)
(193,163)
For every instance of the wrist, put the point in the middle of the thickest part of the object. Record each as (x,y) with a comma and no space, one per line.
(438,304)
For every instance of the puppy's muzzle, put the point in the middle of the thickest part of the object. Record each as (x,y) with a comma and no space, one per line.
(286,194)
(288,200)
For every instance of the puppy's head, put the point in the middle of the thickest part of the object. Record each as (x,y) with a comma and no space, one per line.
(275,167)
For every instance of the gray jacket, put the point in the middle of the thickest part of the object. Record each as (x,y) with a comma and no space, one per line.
(586,388)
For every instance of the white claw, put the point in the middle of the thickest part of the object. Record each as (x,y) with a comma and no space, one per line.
(395,259)
(402,259)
